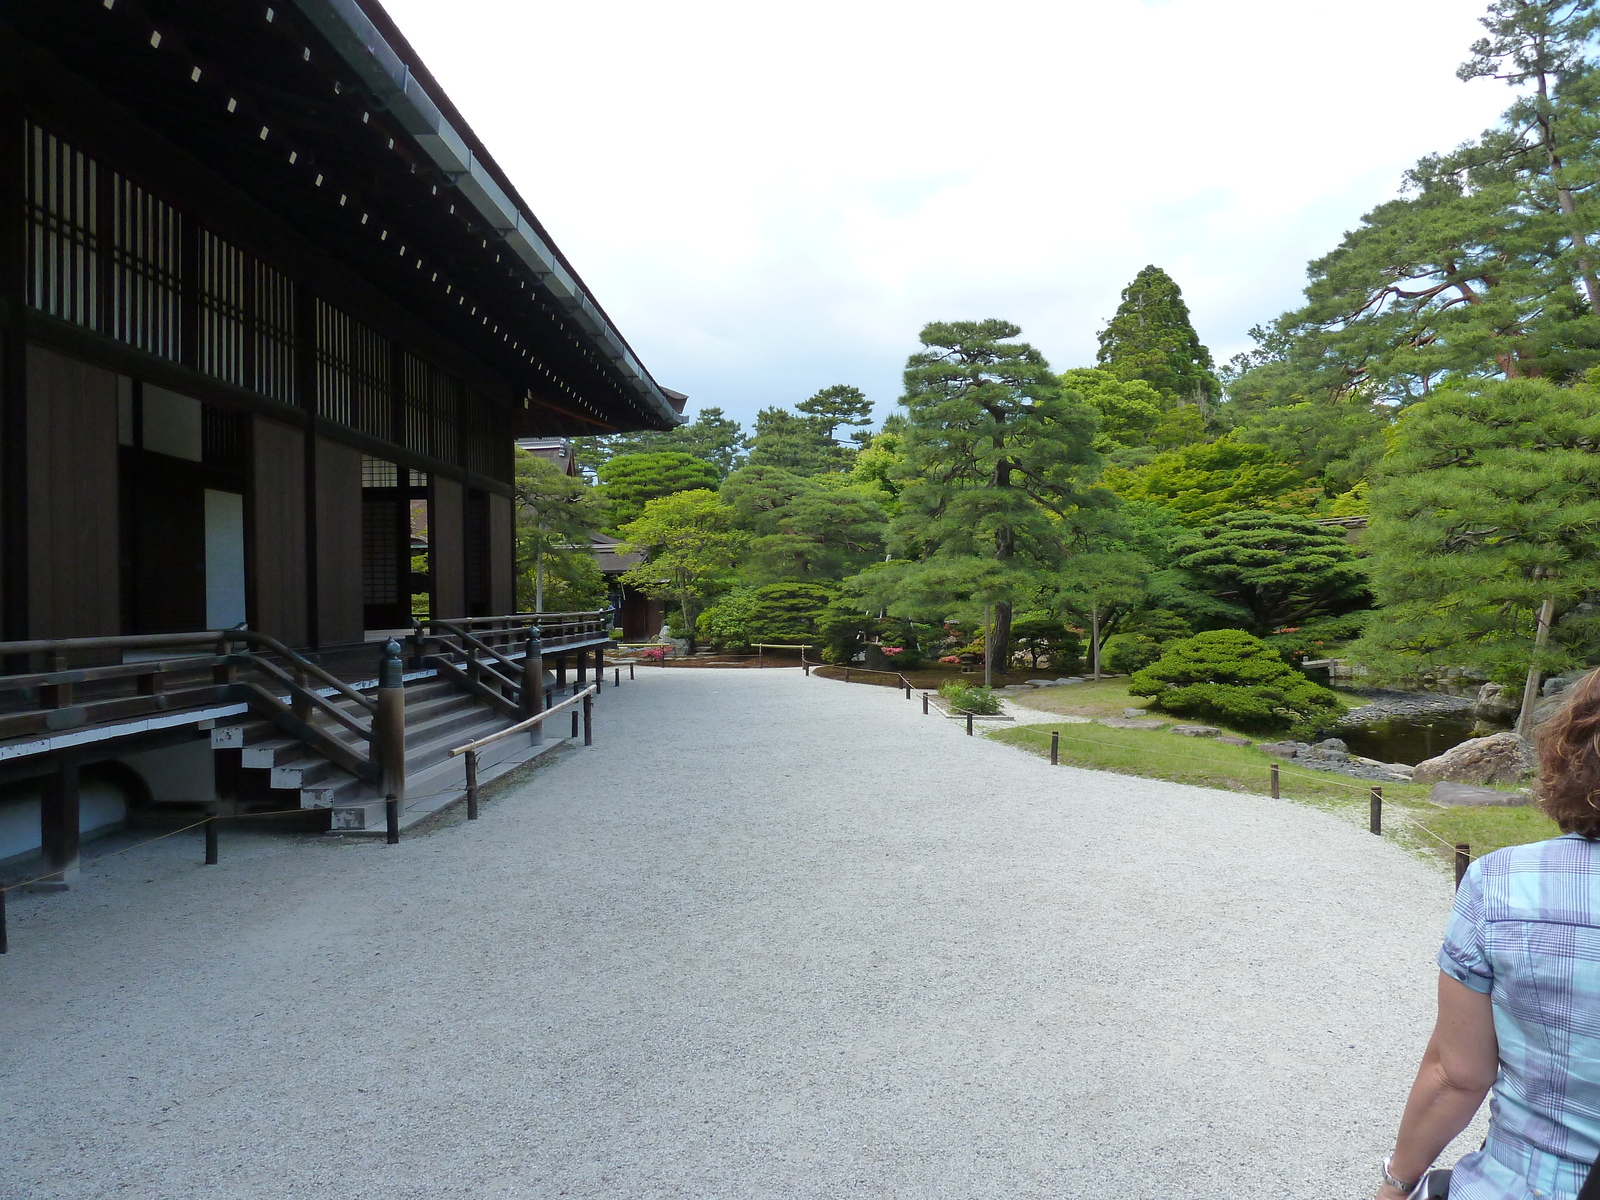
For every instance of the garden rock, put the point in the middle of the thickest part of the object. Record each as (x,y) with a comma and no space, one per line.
(1499,758)
(1492,704)
(1134,712)
(1038,683)
(1129,723)
(1331,744)
(1279,749)
(1452,794)
(1326,754)
(1235,741)
(1196,730)
(1071,679)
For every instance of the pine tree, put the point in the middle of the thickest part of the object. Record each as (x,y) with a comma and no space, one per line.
(996,460)
(838,405)
(1151,338)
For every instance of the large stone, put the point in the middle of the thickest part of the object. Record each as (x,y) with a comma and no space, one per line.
(1235,741)
(1453,794)
(1039,683)
(1331,744)
(1129,723)
(1196,730)
(1493,704)
(1279,749)
(1071,679)
(1499,758)
(1134,712)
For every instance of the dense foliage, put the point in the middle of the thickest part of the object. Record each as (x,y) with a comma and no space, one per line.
(1228,676)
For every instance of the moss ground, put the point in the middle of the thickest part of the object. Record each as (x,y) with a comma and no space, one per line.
(1156,754)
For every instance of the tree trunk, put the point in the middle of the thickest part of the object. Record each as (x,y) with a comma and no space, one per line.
(538,583)
(1580,241)
(999,648)
(1094,638)
(1530,689)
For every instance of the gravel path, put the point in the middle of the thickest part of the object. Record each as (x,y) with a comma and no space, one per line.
(789,938)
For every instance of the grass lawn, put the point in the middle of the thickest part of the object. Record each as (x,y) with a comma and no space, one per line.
(1157,754)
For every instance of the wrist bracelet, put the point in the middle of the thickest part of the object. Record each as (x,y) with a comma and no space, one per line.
(1399,1185)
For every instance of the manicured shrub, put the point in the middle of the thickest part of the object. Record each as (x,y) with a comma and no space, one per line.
(1236,679)
(1125,653)
(968,698)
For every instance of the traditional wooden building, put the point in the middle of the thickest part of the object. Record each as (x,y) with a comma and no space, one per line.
(271,318)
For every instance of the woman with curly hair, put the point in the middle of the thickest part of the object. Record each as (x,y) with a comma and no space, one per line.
(1519,997)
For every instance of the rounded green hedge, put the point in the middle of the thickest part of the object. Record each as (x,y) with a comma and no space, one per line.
(1235,679)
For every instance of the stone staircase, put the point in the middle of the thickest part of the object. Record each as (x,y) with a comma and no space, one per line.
(273,771)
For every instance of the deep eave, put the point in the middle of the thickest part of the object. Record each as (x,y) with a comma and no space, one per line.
(321,112)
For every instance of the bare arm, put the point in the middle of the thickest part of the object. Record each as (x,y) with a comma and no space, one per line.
(1458,1069)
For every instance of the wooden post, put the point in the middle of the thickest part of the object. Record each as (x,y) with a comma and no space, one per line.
(1463,861)
(1094,637)
(1275,781)
(389,723)
(583,673)
(588,720)
(969,724)
(761,660)
(211,840)
(616,677)
(924,703)
(574,722)
(533,681)
(988,648)
(1530,689)
(1055,747)
(561,673)
(59,819)
(1375,811)
(300,704)
(472,784)
(630,672)
(391,819)
(599,669)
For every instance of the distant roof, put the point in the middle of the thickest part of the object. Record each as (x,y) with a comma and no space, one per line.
(605,553)
(556,450)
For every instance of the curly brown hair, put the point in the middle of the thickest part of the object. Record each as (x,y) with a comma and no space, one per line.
(1569,760)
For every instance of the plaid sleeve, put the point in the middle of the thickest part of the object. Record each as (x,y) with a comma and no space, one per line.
(1462,955)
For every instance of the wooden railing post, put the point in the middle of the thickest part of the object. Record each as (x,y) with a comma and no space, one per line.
(599,668)
(533,681)
(389,723)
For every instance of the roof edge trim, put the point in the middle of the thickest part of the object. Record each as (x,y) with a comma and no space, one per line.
(387,74)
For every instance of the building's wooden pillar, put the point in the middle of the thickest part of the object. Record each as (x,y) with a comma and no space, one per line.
(583,670)
(13,371)
(305,390)
(561,673)
(59,820)
(446,536)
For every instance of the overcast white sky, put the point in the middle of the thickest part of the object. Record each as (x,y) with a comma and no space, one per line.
(772,198)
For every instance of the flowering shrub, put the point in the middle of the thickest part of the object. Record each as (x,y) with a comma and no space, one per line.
(891,651)
(655,654)
(951,660)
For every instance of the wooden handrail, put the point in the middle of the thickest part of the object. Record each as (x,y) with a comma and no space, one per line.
(527,723)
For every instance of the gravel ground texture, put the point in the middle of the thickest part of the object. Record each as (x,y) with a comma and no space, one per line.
(771,936)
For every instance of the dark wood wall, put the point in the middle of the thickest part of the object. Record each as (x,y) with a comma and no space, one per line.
(338,472)
(447,562)
(74,574)
(277,521)
(501,553)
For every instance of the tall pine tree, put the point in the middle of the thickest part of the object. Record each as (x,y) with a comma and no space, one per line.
(997,461)
(1151,338)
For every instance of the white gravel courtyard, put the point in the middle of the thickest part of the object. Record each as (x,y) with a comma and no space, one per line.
(772,936)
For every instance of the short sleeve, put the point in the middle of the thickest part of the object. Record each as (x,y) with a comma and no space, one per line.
(1462,956)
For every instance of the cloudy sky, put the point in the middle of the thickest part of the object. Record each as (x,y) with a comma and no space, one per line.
(770,198)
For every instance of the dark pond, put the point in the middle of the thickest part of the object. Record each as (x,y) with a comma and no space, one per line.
(1408,739)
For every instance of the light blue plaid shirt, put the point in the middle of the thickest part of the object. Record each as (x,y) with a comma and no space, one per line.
(1526,930)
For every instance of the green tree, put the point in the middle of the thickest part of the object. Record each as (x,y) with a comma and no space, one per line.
(557,517)
(836,406)
(1205,482)
(691,545)
(795,443)
(1151,338)
(1274,569)
(711,436)
(997,461)
(1486,507)
(630,481)
(1128,409)
(1227,675)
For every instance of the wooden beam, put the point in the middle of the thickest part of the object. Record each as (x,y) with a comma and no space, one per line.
(59,819)
(13,372)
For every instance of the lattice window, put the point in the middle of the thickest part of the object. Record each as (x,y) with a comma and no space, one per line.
(380,552)
(487,442)
(433,411)
(146,269)
(246,321)
(377,473)
(353,380)
(63,230)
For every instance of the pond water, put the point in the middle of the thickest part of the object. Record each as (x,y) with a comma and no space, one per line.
(1407,739)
